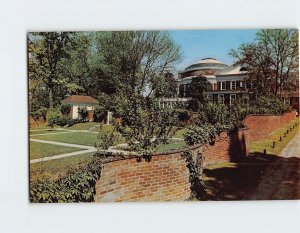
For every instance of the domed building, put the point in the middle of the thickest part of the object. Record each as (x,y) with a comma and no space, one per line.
(227,82)
(206,66)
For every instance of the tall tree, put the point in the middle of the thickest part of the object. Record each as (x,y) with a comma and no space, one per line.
(46,50)
(136,60)
(272,60)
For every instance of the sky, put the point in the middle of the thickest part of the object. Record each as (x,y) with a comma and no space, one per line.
(198,44)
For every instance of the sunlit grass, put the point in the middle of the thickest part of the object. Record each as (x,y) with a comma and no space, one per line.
(53,168)
(259,146)
(39,150)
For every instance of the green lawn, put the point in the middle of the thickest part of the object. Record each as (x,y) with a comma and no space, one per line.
(259,146)
(179,133)
(84,126)
(39,150)
(58,166)
(173,145)
(45,131)
(80,138)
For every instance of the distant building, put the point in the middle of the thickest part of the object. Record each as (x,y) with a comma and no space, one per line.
(81,101)
(227,82)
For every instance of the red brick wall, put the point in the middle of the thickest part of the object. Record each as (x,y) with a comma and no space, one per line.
(228,147)
(166,176)
(262,126)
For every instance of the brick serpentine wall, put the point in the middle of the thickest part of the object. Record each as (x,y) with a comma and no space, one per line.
(166,176)
(262,126)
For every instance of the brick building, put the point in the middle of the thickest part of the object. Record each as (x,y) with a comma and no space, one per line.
(81,101)
(227,82)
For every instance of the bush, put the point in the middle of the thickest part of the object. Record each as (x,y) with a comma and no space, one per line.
(53,116)
(77,186)
(207,133)
(83,112)
(62,121)
(65,109)
(99,114)
(268,105)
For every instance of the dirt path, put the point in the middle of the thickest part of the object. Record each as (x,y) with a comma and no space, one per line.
(281,179)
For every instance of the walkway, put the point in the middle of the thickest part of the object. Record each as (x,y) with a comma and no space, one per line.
(292,149)
(281,180)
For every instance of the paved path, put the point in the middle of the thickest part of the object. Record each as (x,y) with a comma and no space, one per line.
(86,149)
(281,179)
(63,144)
(292,149)
(61,156)
(41,134)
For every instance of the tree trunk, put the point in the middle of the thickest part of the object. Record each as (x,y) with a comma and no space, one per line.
(50,97)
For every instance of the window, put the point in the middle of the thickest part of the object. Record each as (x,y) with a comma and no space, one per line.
(223,85)
(233,85)
(209,97)
(243,84)
(221,98)
(232,98)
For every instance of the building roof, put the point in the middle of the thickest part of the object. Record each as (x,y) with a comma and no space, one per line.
(232,70)
(209,60)
(206,64)
(79,99)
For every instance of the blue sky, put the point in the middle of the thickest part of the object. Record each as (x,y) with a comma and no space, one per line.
(198,44)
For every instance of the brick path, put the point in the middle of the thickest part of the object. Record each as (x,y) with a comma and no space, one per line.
(281,179)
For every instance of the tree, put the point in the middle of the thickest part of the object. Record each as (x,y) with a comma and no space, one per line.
(135,61)
(195,92)
(272,61)
(145,126)
(166,87)
(46,50)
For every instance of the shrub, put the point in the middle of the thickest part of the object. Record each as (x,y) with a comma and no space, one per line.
(83,112)
(62,121)
(207,133)
(267,105)
(99,114)
(77,186)
(53,116)
(106,138)
(65,109)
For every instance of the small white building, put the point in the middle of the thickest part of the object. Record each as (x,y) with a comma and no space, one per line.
(81,101)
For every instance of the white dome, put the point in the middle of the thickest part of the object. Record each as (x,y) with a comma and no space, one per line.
(209,60)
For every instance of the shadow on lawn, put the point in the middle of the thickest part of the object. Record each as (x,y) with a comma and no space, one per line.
(257,177)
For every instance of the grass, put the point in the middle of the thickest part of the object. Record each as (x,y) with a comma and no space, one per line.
(80,138)
(179,133)
(84,126)
(173,145)
(259,146)
(39,150)
(45,131)
(56,167)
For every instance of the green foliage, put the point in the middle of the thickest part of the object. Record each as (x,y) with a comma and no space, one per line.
(267,105)
(195,167)
(53,116)
(99,113)
(272,61)
(165,86)
(83,112)
(106,138)
(77,186)
(195,92)
(213,113)
(145,126)
(65,109)
(203,134)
